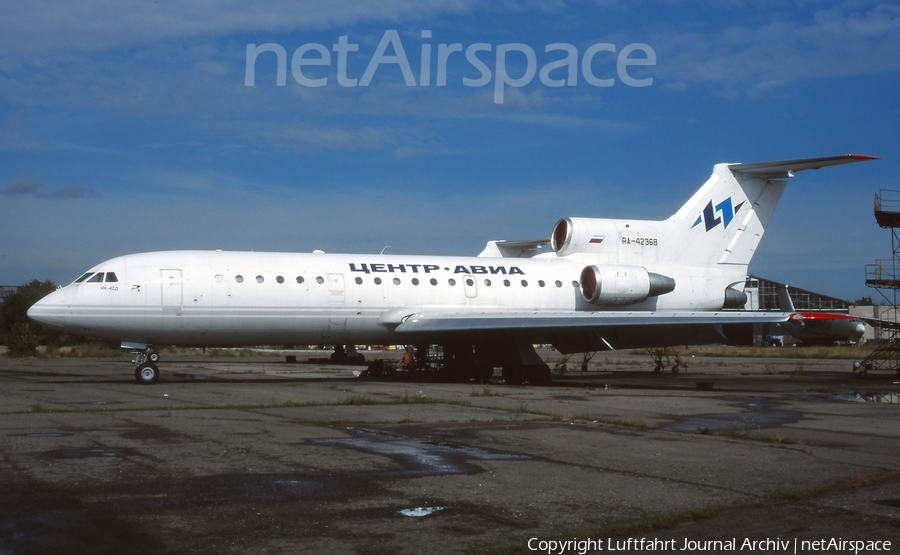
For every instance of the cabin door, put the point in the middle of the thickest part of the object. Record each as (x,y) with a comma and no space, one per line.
(171,289)
(335,289)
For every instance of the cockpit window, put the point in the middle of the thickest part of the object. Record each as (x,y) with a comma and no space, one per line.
(111,277)
(98,278)
(84,277)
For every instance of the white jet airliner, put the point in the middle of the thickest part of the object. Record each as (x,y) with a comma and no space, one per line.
(595,284)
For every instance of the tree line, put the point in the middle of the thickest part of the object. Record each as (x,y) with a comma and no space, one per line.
(20,335)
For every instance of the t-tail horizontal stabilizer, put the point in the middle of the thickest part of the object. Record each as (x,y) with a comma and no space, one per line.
(784,168)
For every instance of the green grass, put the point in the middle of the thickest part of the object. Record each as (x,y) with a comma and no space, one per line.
(746,435)
(845,352)
(354,400)
(787,494)
(486,392)
(404,398)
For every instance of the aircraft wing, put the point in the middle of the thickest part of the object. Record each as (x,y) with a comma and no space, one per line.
(783,168)
(513,249)
(879,323)
(574,331)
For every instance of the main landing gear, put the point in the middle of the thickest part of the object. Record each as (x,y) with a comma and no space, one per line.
(465,362)
(663,356)
(347,355)
(145,359)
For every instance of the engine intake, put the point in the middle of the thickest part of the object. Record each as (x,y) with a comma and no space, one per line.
(561,236)
(616,285)
(583,235)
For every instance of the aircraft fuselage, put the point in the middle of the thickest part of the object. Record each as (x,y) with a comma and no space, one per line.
(215,298)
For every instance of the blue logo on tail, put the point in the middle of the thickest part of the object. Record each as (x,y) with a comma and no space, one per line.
(724,208)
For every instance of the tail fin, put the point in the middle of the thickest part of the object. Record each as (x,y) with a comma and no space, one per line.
(724,221)
(785,304)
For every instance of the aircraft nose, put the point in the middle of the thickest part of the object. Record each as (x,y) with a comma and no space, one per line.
(50,310)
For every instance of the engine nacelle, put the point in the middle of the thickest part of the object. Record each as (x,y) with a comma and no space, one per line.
(582,235)
(617,285)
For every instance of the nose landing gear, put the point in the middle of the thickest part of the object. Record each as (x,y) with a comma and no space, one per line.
(146,373)
(145,359)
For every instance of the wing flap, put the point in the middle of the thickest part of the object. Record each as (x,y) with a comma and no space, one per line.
(543,321)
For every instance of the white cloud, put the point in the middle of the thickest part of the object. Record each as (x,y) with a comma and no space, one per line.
(29,30)
(74,192)
(22,186)
(835,42)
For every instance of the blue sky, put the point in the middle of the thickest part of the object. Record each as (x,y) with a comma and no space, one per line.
(127,126)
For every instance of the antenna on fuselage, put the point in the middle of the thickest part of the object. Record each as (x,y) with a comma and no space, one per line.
(384,249)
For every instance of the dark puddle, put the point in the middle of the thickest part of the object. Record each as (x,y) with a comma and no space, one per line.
(758,414)
(35,522)
(417,457)
(866,397)
(727,422)
(195,378)
(420,511)
(413,457)
(261,488)
(85,453)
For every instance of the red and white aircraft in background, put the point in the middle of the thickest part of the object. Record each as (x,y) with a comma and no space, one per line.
(820,328)
(595,284)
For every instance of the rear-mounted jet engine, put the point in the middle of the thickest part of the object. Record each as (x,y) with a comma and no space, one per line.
(616,285)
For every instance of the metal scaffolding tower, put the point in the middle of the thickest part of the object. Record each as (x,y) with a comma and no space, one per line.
(884,277)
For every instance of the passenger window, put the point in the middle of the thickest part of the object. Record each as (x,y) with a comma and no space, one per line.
(358,281)
(415,281)
(506,282)
(451,281)
(300,279)
(280,279)
(111,277)
(487,282)
(377,281)
(524,283)
(84,277)
(396,281)
(540,283)
(98,278)
(239,278)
